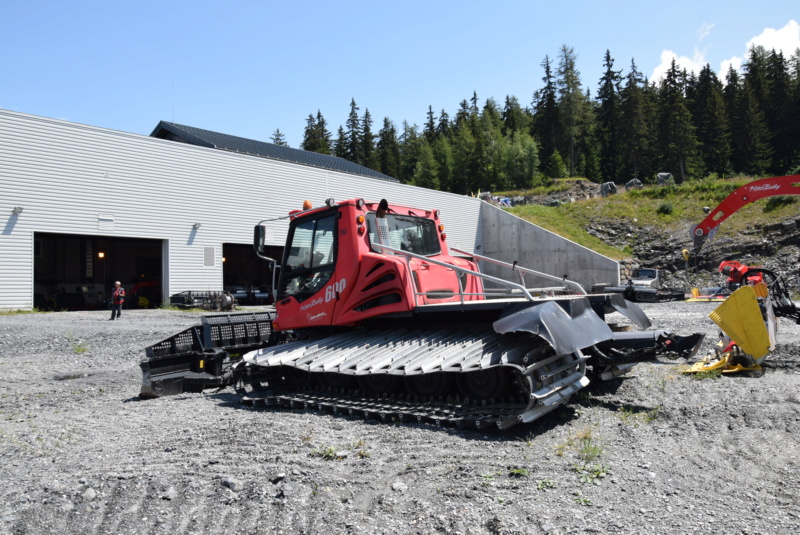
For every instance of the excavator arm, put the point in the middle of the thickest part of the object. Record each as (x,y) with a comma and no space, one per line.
(754,191)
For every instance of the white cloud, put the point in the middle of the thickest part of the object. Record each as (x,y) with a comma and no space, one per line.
(704,30)
(786,40)
(693,64)
(724,67)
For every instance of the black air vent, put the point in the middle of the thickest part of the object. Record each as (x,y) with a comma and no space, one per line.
(383,280)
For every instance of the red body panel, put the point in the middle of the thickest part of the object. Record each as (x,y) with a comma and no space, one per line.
(366,284)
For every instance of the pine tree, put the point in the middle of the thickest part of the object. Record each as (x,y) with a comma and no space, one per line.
(521,162)
(368,142)
(515,119)
(340,145)
(443,154)
(711,122)
(732,93)
(278,138)
(388,150)
(572,105)
(443,126)
(756,150)
(677,141)
(794,129)
(545,118)
(353,148)
(316,137)
(463,149)
(635,127)
(430,126)
(780,113)
(409,152)
(609,115)
(426,170)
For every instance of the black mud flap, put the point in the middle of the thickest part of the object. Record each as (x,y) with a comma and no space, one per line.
(201,356)
(630,310)
(568,326)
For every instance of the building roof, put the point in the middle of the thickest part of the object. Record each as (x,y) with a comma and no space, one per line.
(216,140)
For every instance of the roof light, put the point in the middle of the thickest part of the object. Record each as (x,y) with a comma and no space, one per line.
(330,202)
(307,205)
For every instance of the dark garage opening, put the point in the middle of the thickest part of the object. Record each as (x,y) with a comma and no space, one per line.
(75,272)
(246,276)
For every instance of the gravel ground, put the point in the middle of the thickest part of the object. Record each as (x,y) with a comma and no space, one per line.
(654,452)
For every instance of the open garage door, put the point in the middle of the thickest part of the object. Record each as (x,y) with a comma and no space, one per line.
(75,272)
(246,276)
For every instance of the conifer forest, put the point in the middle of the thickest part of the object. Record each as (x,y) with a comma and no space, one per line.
(623,126)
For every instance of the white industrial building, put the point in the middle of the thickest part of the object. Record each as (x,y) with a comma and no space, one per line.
(82,206)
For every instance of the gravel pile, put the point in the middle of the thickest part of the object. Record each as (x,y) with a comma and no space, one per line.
(654,452)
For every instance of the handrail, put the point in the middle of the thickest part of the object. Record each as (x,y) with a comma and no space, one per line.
(511,285)
(577,286)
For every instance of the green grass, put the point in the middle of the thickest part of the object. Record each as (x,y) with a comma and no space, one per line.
(20,311)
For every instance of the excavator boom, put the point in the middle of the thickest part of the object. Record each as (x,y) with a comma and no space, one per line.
(754,191)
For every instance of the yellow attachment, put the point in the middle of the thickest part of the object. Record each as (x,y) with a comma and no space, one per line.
(202,363)
(723,364)
(739,316)
(761,289)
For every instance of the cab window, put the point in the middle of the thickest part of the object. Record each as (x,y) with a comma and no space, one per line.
(413,234)
(310,257)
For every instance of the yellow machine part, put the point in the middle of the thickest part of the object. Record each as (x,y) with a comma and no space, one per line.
(697,298)
(723,364)
(739,317)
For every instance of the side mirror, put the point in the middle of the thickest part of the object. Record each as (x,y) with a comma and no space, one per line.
(259,233)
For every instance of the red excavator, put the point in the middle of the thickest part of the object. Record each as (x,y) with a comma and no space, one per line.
(374,315)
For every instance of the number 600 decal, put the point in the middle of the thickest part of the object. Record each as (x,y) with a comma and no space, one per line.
(334,289)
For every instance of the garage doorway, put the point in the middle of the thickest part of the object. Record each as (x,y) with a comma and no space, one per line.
(76,272)
(246,276)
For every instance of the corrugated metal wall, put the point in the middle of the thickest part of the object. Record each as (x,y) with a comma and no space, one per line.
(77,179)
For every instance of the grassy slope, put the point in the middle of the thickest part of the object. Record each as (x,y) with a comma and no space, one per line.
(648,207)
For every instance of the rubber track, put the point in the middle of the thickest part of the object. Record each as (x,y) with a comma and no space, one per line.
(439,413)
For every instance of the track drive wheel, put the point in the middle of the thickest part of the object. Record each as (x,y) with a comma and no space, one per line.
(429,385)
(483,384)
(375,385)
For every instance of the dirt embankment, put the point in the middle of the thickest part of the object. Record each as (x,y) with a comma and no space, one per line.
(654,452)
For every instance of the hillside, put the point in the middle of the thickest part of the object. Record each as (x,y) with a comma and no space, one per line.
(651,226)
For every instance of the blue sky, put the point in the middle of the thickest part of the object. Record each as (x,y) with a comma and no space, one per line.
(247,68)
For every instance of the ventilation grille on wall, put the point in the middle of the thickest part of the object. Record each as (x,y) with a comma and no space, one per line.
(208,256)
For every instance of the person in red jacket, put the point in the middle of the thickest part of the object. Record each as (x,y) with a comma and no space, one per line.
(117,299)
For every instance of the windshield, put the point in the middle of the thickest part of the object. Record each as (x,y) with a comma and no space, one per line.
(309,258)
(644,273)
(413,234)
